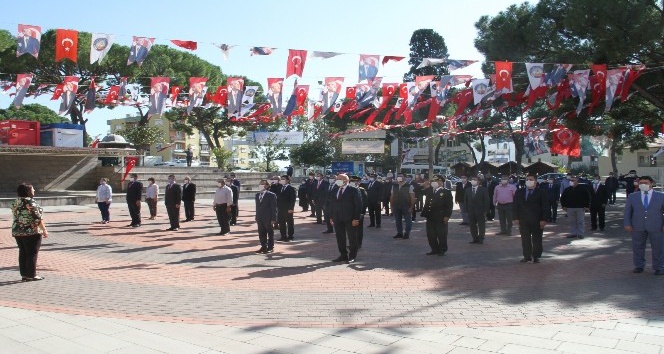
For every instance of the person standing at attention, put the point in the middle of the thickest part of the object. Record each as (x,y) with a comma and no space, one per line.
(612,185)
(346,209)
(437,211)
(503,197)
(576,201)
(188,199)
(266,217)
(27,229)
(531,212)
(151,197)
(402,200)
(223,198)
(459,198)
(133,197)
(476,199)
(172,199)
(553,195)
(643,219)
(599,197)
(375,195)
(285,208)
(103,200)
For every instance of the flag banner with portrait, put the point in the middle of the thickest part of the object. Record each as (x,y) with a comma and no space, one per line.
(225,49)
(140,47)
(28,40)
(159,89)
(367,94)
(534,143)
(368,69)
(417,88)
(91,96)
(330,93)
(248,99)
(100,44)
(23,82)
(535,73)
(69,89)
(580,82)
(197,91)
(235,92)
(275,86)
(614,83)
(260,51)
(456,64)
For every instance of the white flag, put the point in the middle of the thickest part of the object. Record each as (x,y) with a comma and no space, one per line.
(99,46)
(480,89)
(535,74)
(430,61)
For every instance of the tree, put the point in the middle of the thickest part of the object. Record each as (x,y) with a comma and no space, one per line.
(426,43)
(313,153)
(272,149)
(33,111)
(142,136)
(221,154)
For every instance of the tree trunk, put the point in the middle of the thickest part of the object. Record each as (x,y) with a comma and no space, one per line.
(472,152)
(614,158)
(76,116)
(436,156)
(483,148)
(517,138)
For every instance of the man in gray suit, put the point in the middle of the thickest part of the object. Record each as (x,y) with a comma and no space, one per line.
(643,218)
(266,217)
(477,202)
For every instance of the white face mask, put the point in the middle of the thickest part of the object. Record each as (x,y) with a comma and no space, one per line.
(596,181)
(644,187)
(399,179)
(530,184)
(282,182)
(186,181)
(339,182)
(464,180)
(133,179)
(434,185)
(354,184)
(550,181)
(371,179)
(331,180)
(473,183)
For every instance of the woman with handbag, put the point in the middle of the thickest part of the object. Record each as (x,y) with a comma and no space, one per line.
(28,229)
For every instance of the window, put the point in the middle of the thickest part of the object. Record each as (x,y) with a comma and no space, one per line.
(179,146)
(505,146)
(178,134)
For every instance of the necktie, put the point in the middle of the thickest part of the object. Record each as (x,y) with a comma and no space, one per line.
(645,200)
(341,191)
(528,194)
(474,190)
(260,199)
(370,184)
(283,188)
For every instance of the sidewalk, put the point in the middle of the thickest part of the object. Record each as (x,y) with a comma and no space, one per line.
(114,289)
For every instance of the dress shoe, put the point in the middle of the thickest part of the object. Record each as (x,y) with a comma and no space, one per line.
(371,225)
(340,259)
(431,253)
(637,270)
(580,237)
(474,242)
(398,236)
(35,278)
(185,220)
(501,233)
(406,236)
(328,232)
(175,229)
(169,229)
(319,222)
(130,225)
(351,261)
(659,272)
(593,229)
(463,223)
(270,250)
(535,260)
(378,226)
(261,250)
(441,254)
(283,239)
(525,260)
(571,236)
(291,238)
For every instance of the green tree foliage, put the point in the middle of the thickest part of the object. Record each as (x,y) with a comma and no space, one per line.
(221,155)
(426,43)
(142,136)
(314,153)
(272,149)
(33,111)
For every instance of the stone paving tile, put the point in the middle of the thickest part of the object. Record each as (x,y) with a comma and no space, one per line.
(24,334)
(459,350)
(136,349)
(585,339)
(55,327)
(569,347)
(57,345)
(101,342)
(468,342)
(649,339)
(640,347)
(520,349)
(13,347)
(422,346)
(607,333)
(159,343)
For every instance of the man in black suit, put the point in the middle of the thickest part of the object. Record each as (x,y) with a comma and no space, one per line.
(134,192)
(476,199)
(330,193)
(289,171)
(553,196)
(387,194)
(459,198)
(490,183)
(599,197)
(236,196)
(172,199)
(437,210)
(266,217)
(188,198)
(346,208)
(311,189)
(285,208)
(612,186)
(318,192)
(355,182)
(375,196)
(531,211)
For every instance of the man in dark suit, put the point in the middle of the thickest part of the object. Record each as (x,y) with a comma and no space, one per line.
(553,196)
(235,94)
(368,69)
(134,192)
(285,208)
(355,182)
(643,218)
(437,211)
(310,183)
(375,196)
(266,217)
(531,211)
(26,43)
(289,171)
(612,185)
(188,198)
(172,199)
(599,197)
(476,199)
(346,207)
(138,52)
(236,196)
(490,183)
(387,194)
(330,193)
(459,198)
(318,192)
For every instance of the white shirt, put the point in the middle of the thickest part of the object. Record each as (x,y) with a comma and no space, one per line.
(223,195)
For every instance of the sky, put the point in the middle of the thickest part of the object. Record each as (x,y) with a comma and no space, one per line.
(351,27)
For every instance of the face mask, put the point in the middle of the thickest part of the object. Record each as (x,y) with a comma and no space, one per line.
(568,177)
(473,183)
(331,180)
(354,184)
(371,179)
(464,180)
(530,184)
(282,182)
(339,182)
(311,177)
(644,187)
(133,179)
(434,185)
(317,178)
(186,181)
(408,180)
(550,181)
(503,182)
(596,181)
(170,181)
(275,182)
(399,179)
(220,184)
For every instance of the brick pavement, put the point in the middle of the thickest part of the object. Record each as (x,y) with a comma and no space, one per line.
(197,276)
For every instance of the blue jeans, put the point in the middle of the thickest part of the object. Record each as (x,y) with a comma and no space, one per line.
(403,213)
(103,208)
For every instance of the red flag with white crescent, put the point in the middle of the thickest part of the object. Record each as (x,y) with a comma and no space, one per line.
(503,76)
(66,44)
(112,95)
(175,91)
(565,142)
(296,61)
(191,45)
(221,95)
(131,161)
(57,92)
(388,91)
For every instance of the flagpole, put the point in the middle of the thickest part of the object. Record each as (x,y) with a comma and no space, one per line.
(430,133)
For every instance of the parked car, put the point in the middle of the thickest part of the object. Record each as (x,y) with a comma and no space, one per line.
(557,177)
(181,163)
(454,179)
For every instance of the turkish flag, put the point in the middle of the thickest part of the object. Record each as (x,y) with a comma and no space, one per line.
(296,60)
(112,95)
(403,91)
(388,91)
(66,44)
(175,91)
(600,76)
(503,76)
(57,92)
(565,142)
(462,99)
(647,130)
(131,162)
(633,73)
(350,92)
(221,96)
(191,45)
(302,91)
